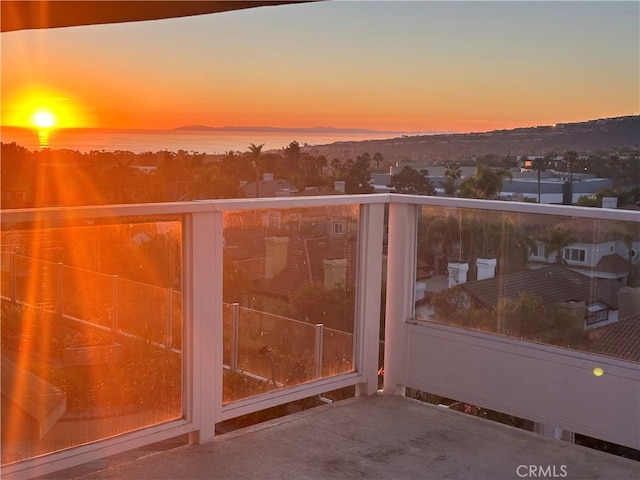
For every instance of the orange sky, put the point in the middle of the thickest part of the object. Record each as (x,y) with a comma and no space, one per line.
(409,66)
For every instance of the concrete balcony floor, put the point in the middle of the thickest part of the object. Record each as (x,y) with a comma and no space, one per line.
(384,437)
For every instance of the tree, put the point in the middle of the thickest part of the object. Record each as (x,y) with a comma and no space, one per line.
(312,167)
(485,184)
(436,236)
(452,172)
(356,174)
(411,181)
(254,153)
(212,183)
(292,156)
(539,165)
(377,157)
(333,308)
(513,245)
(558,240)
(570,158)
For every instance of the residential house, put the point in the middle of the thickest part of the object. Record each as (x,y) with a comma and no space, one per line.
(598,249)
(269,187)
(594,300)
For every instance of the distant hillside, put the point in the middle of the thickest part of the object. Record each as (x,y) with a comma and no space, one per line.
(583,136)
(281,129)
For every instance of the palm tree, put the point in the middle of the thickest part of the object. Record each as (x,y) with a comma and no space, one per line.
(570,158)
(514,245)
(436,236)
(452,172)
(559,239)
(378,157)
(254,152)
(540,164)
(485,184)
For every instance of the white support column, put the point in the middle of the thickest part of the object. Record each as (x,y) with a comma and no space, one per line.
(368,294)
(401,276)
(204,322)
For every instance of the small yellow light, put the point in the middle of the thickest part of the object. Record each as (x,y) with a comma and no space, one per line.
(598,372)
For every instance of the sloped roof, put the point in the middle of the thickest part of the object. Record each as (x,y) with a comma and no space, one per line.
(554,284)
(305,257)
(620,339)
(305,265)
(269,188)
(322,190)
(612,263)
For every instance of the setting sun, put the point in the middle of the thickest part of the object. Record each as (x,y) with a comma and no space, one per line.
(43,108)
(44,119)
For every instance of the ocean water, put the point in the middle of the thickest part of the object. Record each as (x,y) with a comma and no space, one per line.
(202,141)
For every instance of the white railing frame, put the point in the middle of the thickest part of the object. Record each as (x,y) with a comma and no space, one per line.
(416,351)
(203,230)
(203,313)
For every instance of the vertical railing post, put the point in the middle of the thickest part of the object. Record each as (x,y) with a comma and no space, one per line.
(203,328)
(235,325)
(13,276)
(319,337)
(368,294)
(59,271)
(114,307)
(169,318)
(401,268)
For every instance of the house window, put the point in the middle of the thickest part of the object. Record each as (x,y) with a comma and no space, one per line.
(575,254)
(539,250)
(338,228)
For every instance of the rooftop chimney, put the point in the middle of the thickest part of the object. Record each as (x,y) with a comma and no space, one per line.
(457,273)
(335,272)
(576,308)
(486,267)
(628,302)
(276,259)
(610,202)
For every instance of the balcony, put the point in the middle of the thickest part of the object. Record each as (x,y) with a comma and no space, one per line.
(128,325)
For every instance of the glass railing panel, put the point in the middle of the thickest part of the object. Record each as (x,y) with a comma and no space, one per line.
(292,274)
(36,281)
(5,275)
(566,281)
(97,304)
(84,345)
(272,352)
(337,352)
(143,302)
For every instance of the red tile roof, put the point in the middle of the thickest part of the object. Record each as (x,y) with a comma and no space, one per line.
(613,263)
(305,259)
(554,284)
(619,340)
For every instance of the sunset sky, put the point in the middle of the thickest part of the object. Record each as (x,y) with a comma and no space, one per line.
(401,66)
